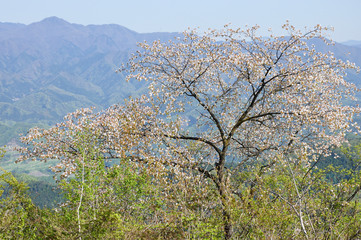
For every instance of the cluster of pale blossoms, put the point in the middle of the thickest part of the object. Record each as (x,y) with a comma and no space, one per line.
(252,97)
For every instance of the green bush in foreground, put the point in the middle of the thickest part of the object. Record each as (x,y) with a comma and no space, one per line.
(287,201)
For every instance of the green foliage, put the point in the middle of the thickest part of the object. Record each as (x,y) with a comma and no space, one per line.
(292,201)
(100,198)
(19,217)
(14,208)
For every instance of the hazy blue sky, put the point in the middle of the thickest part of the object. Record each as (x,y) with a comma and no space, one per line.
(177,15)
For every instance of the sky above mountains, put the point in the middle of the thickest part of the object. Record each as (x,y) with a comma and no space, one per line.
(177,16)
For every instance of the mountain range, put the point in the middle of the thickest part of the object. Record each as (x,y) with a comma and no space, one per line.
(52,67)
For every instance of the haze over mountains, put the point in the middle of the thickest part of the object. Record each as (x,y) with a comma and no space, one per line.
(52,67)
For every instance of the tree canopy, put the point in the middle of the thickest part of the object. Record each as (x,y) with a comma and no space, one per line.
(259,104)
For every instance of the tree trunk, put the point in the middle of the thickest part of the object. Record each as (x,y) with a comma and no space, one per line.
(228,228)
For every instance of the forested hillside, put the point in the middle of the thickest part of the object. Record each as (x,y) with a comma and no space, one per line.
(52,67)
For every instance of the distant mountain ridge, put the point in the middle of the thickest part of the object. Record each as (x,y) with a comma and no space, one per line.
(353,43)
(52,67)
